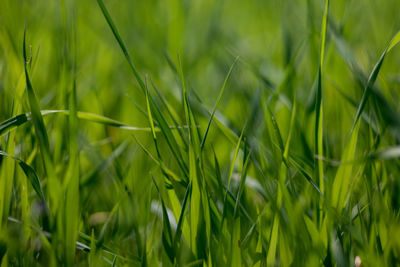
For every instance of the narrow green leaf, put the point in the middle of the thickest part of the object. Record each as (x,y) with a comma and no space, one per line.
(195,201)
(101,239)
(92,175)
(19,120)
(121,43)
(273,242)
(161,164)
(230,173)
(372,78)
(395,40)
(31,175)
(41,134)
(156,112)
(72,182)
(291,127)
(150,117)
(243,177)
(323,32)
(216,103)
(345,174)
(319,105)
(167,232)
(236,260)
(172,114)
(179,227)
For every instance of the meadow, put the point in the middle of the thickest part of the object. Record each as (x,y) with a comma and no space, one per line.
(199,133)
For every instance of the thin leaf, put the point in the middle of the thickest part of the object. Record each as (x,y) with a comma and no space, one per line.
(31,175)
(19,120)
(179,227)
(216,103)
(41,134)
(372,78)
(121,43)
(167,232)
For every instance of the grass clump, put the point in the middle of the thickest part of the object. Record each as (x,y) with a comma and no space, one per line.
(266,141)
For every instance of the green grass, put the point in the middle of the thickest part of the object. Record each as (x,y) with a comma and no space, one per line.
(199,133)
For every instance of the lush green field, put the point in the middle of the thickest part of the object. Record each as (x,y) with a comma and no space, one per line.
(199,133)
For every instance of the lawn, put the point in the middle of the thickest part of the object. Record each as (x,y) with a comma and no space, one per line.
(199,133)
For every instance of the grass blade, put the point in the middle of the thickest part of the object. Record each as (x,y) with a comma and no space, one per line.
(121,43)
(319,105)
(216,103)
(180,225)
(53,187)
(167,232)
(32,177)
(372,78)
(71,181)
(10,124)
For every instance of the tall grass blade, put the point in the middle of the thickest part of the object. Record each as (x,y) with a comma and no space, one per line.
(32,177)
(216,103)
(121,43)
(319,105)
(372,78)
(167,232)
(71,181)
(53,187)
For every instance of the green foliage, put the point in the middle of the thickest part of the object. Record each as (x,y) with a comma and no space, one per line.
(271,139)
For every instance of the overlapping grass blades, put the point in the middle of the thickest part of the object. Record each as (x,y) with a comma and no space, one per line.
(372,78)
(319,104)
(285,172)
(19,120)
(30,175)
(41,134)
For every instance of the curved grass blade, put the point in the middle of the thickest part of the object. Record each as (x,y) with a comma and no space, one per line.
(156,112)
(216,103)
(13,122)
(242,184)
(7,174)
(105,248)
(303,172)
(91,176)
(292,160)
(150,118)
(323,32)
(40,130)
(171,112)
(99,243)
(230,174)
(71,181)
(273,242)
(179,227)
(167,232)
(319,106)
(151,122)
(20,119)
(275,127)
(161,164)
(289,138)
(121,43)
(32,177)
(345,173)
(381,104)
(372,78)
